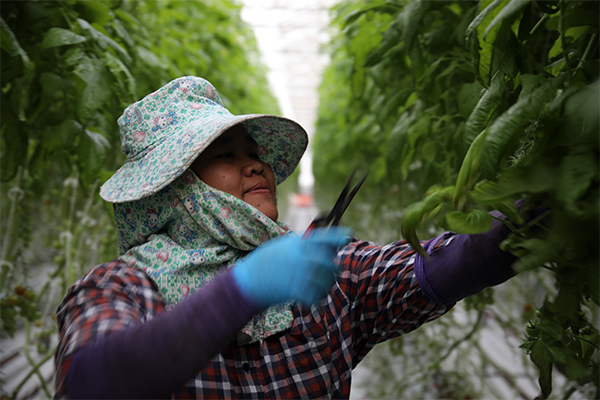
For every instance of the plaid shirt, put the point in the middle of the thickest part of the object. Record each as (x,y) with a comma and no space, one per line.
(376,298)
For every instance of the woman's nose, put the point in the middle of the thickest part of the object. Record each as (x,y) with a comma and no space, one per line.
(252,166)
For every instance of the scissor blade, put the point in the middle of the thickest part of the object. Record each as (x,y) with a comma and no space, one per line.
(339,204)
(348,199)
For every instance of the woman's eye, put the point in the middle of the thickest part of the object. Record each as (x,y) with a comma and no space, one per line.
(224,155)
(254,156)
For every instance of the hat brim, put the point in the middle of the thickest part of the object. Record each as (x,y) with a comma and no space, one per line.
(281,144)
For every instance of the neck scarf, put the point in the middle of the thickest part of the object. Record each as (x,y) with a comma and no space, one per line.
(187,233)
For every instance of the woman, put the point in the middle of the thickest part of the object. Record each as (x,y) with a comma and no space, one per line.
(212,296)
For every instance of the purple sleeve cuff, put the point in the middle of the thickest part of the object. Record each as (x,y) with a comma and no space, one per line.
(422,276)
(153,359)
(465,266)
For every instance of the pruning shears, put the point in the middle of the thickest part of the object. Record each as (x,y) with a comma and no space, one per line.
(334,217)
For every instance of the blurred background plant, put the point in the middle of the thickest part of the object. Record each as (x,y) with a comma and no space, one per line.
(69,68)
(460,107)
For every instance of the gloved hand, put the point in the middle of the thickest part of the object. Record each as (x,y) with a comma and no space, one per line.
(291,267)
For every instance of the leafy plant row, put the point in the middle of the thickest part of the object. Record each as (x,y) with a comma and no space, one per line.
(69,68)
(461,107)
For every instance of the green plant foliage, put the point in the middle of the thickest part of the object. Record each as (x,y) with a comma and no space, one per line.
(461,107)
(69,69)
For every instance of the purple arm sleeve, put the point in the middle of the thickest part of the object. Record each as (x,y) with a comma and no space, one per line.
(153,359)
(466,266)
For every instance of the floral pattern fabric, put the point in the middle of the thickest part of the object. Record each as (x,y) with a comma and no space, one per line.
(162,134)
(184,235)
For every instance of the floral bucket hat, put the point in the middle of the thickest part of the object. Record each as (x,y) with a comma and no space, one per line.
(162,134)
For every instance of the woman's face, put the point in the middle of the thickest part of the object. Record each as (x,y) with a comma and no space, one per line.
(231,164)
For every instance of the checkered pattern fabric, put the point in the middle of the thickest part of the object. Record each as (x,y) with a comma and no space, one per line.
(376,298)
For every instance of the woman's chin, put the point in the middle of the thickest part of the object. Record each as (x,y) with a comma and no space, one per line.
(263,202)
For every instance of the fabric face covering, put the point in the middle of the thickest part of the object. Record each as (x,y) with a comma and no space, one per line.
(188,232)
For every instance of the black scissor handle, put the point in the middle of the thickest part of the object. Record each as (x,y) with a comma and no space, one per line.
(340,206)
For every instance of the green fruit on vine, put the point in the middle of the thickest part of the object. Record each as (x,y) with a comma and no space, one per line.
(12,301)
(20,290)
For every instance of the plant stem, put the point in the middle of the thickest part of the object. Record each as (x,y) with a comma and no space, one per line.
(48,356)
(539,23)
(85,217)
(466,337)
(532,31)
(569,392)
(5,264)
(35,367)
(587,51)
(68,238)
(504,373)
(563,39)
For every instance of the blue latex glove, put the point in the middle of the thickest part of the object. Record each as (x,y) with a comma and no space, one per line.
(292,267)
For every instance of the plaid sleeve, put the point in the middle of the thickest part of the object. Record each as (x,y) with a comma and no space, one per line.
(385,298)
(111,297)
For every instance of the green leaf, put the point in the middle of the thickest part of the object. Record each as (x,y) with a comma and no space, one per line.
(97,91)
(92,98)
(476,221)
(127,18)
(117,67)
(536,178)
(417,213)
(411,18)
(415,131)
(429,71)
(486,46)
(94,11)
(91,152)
(573,16)
(104,41)
(57,37)
(586,104)
(380,6)
(357,82)
(512,123)
(508,208)
(54,86)
(475,58)
(14,145)
(397,142)
(88,70)
(429,150)
(556,67)
(575,175)
(418,64)
(392,104)
(11,45)
(530,82)
(469,170)
(508,11)
(392,39)
(485,108)
(149,58)
(68,131)
(468,97)
(539,356)
(533,254)
(491,6)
